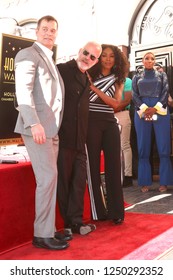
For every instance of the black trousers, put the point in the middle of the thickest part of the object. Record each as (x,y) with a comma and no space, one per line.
(105,135)
(71,185)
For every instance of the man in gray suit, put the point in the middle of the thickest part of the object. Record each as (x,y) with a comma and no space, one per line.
(40,97)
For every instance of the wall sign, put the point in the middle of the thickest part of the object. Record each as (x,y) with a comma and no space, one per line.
(10,45)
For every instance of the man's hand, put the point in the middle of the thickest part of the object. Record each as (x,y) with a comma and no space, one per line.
(38,134)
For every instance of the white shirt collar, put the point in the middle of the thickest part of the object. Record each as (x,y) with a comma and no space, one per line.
(47,51)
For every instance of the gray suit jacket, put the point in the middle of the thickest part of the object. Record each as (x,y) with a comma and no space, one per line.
(36,92)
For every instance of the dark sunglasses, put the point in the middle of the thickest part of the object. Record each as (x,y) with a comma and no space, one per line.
(92,57)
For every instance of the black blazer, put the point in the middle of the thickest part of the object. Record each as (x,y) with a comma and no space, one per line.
(73,130)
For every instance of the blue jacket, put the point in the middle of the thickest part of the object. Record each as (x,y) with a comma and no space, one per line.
(150,84)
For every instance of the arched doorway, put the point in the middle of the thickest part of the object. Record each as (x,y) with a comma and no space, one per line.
(152,22)
(151,28)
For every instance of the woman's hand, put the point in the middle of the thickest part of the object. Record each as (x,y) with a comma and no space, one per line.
(93,88)
(149,112)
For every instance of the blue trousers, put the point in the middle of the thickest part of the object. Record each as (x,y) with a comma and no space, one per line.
(163,141)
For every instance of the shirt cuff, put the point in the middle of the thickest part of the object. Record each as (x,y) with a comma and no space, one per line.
(143,107)
(160,109)
(33,124)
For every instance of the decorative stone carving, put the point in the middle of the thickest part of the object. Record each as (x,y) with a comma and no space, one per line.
(154,23)
(5,4)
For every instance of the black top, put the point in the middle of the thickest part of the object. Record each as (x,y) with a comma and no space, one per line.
(74,125)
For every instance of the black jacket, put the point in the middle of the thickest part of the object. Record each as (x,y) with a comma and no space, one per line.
(74,125)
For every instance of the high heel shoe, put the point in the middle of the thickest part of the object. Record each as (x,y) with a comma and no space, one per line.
(163,188)
(118,221)
(144,189)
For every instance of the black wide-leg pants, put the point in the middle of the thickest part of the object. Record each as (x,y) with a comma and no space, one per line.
(105,135)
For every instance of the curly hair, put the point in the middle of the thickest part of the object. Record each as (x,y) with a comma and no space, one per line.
(120,68)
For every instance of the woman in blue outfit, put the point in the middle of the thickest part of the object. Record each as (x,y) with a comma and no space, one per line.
(107,81)
(150,97)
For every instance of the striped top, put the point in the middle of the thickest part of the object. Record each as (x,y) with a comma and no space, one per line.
(107,85)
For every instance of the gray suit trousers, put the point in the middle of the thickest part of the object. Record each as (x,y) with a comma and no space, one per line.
(44,162)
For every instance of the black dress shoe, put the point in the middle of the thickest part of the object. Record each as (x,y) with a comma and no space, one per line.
(63,236)
(49,243)
(118,221)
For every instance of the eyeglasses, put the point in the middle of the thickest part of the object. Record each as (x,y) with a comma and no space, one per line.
(92,57)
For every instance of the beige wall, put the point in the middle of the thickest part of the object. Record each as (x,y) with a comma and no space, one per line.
(78,22)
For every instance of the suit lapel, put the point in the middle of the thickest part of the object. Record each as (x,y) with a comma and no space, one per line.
(45,58)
